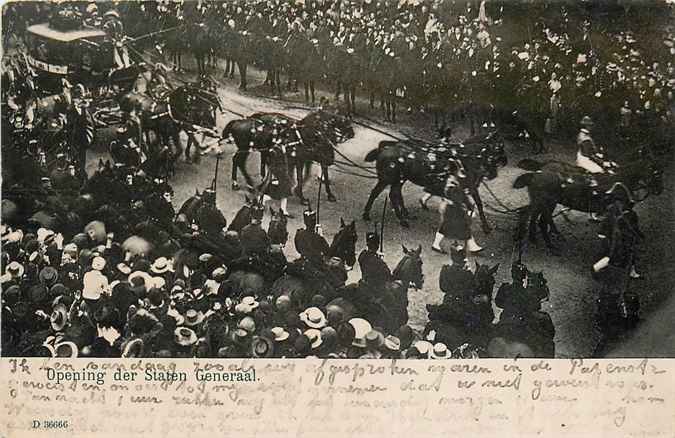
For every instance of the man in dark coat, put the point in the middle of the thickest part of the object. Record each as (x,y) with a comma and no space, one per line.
(456,280)
(209,218)
(374,271)
(308,242)
(513,297)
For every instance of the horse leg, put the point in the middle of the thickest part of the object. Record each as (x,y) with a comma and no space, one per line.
(326,183)
(238,161)
(306,86)
(393,110)
(263,163)
(379,187)
(337,91)
(300,182)
(352,95)
(312,90)
(481,212)
(242,74)
(396,198)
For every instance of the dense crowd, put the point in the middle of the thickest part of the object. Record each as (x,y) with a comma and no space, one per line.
(444,54)
(121,286)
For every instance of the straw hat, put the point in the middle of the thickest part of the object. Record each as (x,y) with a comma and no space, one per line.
(361,329)
(313,317)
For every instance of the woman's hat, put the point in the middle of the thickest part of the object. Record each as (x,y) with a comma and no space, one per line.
(16,269)
(361,329)
(313,317)
(392,343)
(314,337)
(133,348)
(247,323)
(247,305)
(440,351)
(262,347)
(66,349)
(280,334)
(161,265)
(424,347)
(59,317)
(193,317)
(185,337)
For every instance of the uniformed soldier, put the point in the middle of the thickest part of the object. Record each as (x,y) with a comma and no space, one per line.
(374,271)
(309,242)
(512,297)
(209,218)
(456,280)
(254,239)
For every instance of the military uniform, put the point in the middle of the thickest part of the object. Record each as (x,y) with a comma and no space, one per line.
(456,281)
(374,270)
(311,245)
(254,240)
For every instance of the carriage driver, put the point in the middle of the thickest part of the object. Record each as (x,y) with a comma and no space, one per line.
(589,156)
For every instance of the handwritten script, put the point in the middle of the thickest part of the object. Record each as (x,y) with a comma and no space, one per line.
(138,397)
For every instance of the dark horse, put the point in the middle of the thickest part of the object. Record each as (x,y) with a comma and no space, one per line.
(386,307)
(428,166)
(555,182)
(188,107)
(342,247)
(311,139)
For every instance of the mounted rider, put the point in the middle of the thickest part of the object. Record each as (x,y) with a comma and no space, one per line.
(209,218)
(589,156)
(309,241)
(511,297)
(375,273)
(456,279)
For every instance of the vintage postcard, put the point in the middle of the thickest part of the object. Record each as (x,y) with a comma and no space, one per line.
(345,217)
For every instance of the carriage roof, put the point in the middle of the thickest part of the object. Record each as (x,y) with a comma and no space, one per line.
(43,30)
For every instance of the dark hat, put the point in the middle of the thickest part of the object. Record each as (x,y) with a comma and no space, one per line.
(346,334)
(38,293)
(48,276)
(262,347)
(59,317)
(374,339)
(406,336)
(302,346)
(185,337)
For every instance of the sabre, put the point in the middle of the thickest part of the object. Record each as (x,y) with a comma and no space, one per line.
(318,200)
(384,216)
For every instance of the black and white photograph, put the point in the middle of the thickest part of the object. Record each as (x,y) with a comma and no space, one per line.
(337,179)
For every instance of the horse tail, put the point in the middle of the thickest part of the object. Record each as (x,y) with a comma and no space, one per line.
(530,165)
(523,180)
(228,129)
(372,155)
